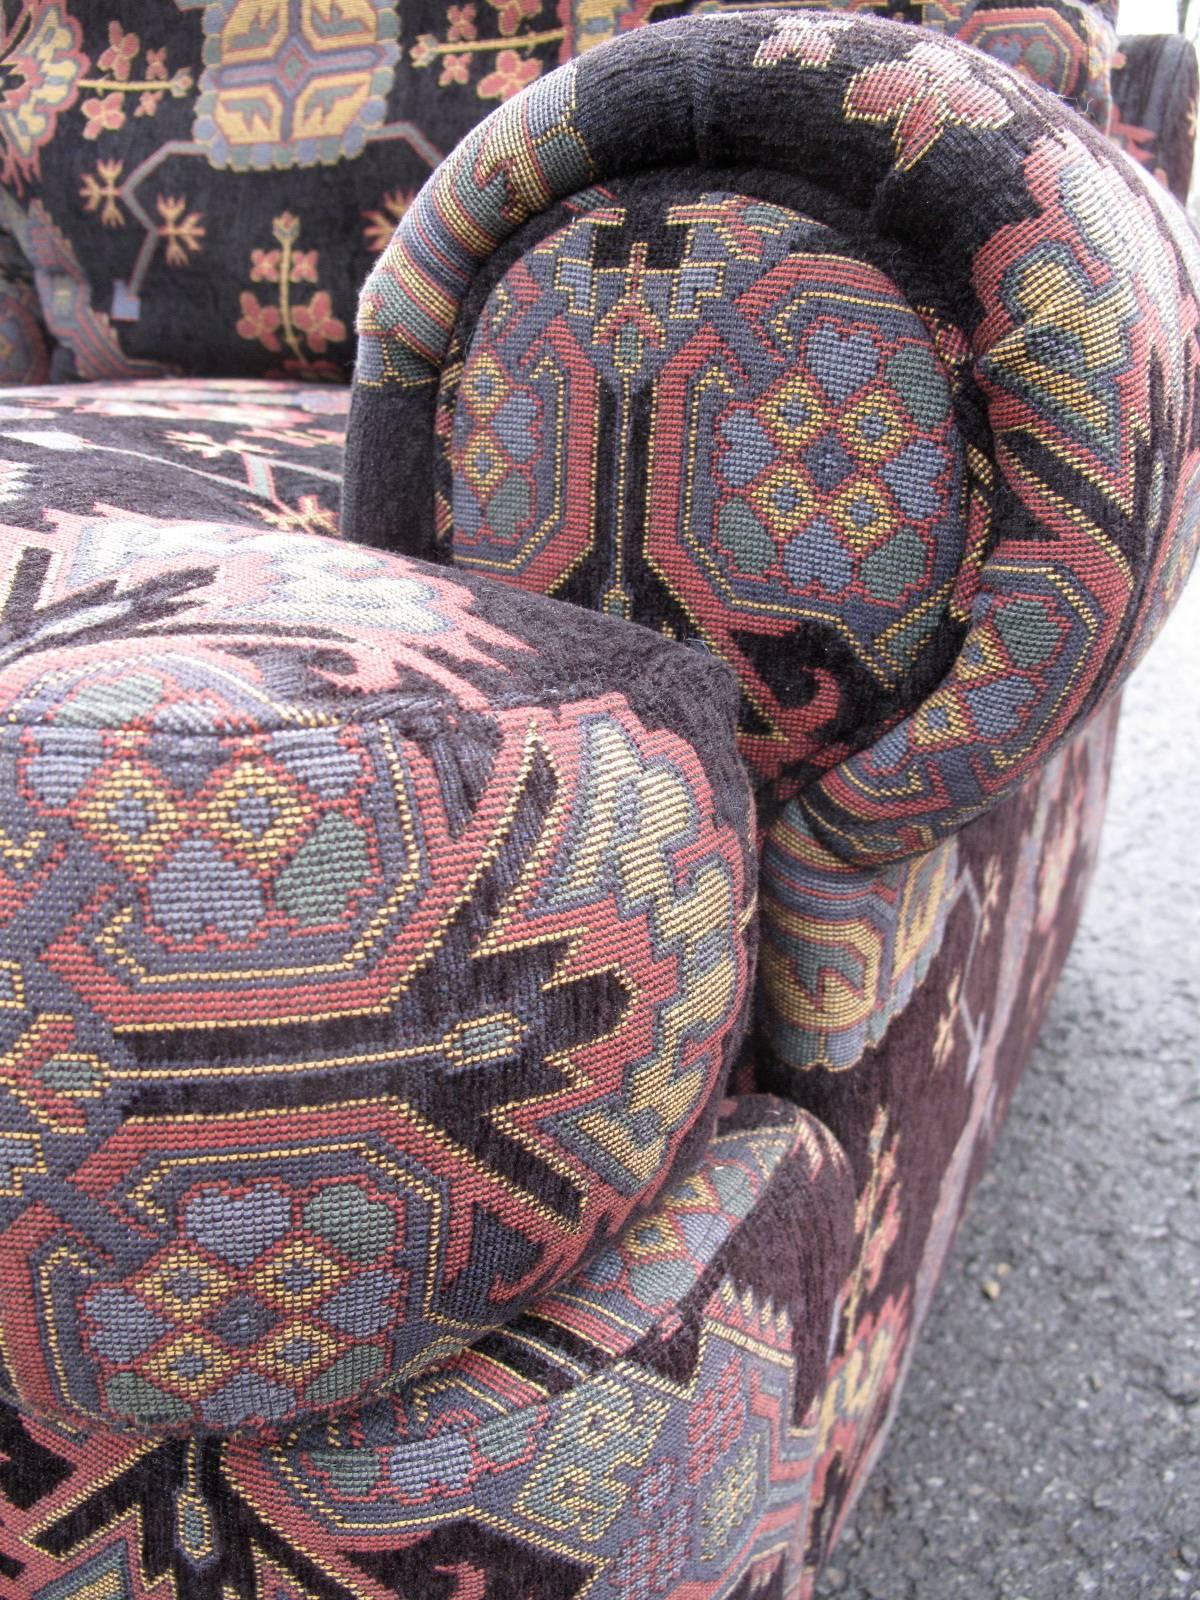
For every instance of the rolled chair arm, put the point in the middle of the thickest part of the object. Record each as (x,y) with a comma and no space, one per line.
(893,221)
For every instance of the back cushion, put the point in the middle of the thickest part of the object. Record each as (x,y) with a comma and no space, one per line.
(1155,84)
(202,186)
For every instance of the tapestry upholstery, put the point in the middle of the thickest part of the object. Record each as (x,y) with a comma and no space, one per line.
(202,185)
(1155,83)
(692,1414)
(24,354)
(921,399)
(393,1201)
(644,1431)
(917,1114)
(376,943)
(758,414)
(208,450)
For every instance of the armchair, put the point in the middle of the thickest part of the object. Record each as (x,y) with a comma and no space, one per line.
(506,1006)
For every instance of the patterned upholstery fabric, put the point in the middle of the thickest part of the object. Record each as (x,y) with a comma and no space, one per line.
(215,450)
(811,528)
(917,1113)
(674,1422)
(202,186)
(1156,80)
(1066,46)
(375,944)
(377,937)
(931,515)
(644,1431)
(844,946)
(24,356)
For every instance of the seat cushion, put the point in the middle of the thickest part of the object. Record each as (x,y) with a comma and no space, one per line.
(221,450)
(645,1431)
(374,943)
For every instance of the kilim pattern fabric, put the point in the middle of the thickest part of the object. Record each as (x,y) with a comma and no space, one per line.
(200,187)
(646,1430)
(1156,81)
(844,947)
(24,356)
(212,451)
(375,944)
(692,1414)
(761,419)
(912,446)
(393,1200)
(1068,48)
(918,1114)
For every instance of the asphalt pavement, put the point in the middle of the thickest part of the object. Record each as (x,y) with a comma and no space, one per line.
(1048,1442)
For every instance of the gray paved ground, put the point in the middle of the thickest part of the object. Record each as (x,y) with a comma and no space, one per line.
(1048,1444)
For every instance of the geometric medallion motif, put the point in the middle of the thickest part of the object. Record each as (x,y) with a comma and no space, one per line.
(640,1431)
(288,84)
(704,414)
(350,992)
(1056,288)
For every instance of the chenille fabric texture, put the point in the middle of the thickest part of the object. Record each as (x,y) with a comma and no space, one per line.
(200,188)
(846,355)
(378,933)
(694,1411)
(376,945)
(210,450)
(24,356)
